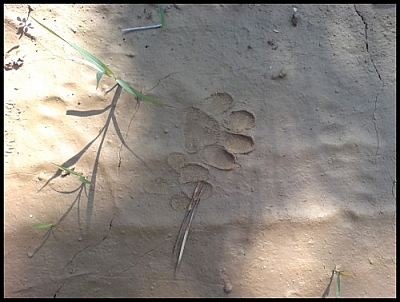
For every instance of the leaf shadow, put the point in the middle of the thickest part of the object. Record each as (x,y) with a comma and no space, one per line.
(80,189)
(87,113)
(328,288)
(74,159)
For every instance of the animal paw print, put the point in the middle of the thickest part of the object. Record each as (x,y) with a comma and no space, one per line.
(214,131)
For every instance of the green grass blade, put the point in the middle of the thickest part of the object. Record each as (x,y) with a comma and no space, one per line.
(98,77)
(128,88)
(70,171)
(42,225)
(84,180)
(337,294)
(161,11)
(345,274)
(99,64)
(44,26)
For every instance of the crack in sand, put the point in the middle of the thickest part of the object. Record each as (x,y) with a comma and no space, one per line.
(109,230)
(81,251)
(75,255)
(136,263)
(380,79)
(58,290)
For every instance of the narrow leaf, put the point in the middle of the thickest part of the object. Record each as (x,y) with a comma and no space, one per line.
(345,274)
(42,225)
(128,88)
(98,77)
(84,180)
(44,26)
(337,295)
(70,171)
(161,11)
(100,65)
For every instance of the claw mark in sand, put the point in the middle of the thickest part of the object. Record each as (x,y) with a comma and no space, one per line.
(58,290)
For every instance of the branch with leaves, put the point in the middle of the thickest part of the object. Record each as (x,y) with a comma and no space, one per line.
(102,68)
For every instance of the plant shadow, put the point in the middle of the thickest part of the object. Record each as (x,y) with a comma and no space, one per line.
(328,288)
(80,189)
(74,159)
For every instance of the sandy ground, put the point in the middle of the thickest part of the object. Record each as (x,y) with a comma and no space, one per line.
(289,125)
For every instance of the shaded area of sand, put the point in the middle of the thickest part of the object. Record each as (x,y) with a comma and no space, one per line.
(292,128)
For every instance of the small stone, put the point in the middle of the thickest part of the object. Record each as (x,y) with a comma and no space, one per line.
(166,130)
(41,176)
(228,287)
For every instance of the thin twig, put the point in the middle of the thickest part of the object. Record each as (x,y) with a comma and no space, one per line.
(187,221)
(127,30)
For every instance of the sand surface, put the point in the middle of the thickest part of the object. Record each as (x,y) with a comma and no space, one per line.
(288,123)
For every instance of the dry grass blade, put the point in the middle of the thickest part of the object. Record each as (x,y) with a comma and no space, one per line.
(187,221)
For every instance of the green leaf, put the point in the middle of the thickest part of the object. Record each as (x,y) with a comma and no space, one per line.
(99,64)
(128,88)
(98,77)
(345,274)
(42,225)
(337,294)
(70,171)
(161,11)
(84,180)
